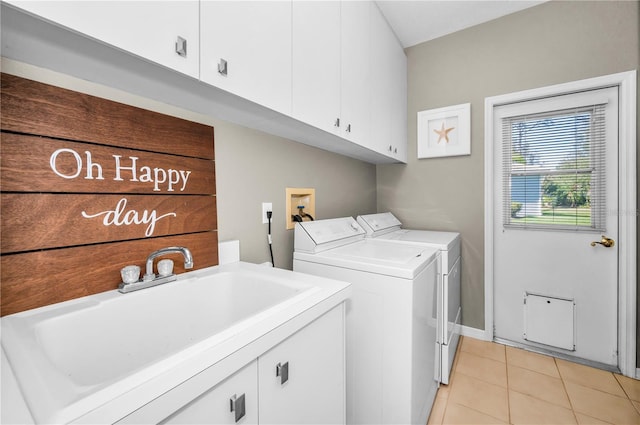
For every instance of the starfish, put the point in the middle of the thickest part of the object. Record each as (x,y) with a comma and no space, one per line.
(443,133)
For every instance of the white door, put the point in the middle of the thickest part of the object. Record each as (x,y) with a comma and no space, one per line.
(556,192)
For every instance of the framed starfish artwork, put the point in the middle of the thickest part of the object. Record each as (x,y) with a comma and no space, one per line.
(444,131)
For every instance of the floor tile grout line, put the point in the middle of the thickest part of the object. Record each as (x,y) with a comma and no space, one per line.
(624,390)
(477,411)
(564,386)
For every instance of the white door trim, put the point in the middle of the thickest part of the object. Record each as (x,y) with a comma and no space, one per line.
(627,209)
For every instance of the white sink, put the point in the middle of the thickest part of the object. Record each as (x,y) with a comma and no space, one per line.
(71,357)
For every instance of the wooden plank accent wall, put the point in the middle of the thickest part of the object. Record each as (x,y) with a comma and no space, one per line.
(88,186)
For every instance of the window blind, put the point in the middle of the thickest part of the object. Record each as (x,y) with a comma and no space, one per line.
(553,170)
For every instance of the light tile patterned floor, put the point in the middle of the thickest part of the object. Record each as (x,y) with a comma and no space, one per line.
(495,384)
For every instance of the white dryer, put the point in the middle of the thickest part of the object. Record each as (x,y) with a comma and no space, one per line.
(390,319)
(385,226)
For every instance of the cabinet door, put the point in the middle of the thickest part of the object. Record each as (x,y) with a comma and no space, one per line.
(380,64)
(388,90)
(398,103)
(316,63)
(149,29)
(355,81)
(313,390)
(254,39)
(214,406)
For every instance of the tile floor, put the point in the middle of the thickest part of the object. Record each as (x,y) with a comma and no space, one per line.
(495,384)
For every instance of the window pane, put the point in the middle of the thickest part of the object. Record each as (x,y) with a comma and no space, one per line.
(553,169)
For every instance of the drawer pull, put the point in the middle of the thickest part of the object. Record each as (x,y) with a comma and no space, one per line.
(237,406)
(282,371)
(181,47)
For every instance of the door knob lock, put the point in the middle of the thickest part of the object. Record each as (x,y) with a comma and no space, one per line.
(605,241)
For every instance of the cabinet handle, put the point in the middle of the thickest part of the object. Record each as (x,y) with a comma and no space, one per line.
(337,123)
(222,67)
(348,128)
(181,47)
(282,371)
(237,406)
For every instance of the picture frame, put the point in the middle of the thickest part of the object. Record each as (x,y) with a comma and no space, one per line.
(444,131)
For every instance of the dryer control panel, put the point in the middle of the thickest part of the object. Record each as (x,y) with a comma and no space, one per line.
(320,235)
(379,224)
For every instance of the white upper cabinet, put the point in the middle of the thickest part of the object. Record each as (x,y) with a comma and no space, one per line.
(164,32)
(355,81)
(380,65)
(316,64)
(330,74)
(388,90)
(398,102)
(246,50)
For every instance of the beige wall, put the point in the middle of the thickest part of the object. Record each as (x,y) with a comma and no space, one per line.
(252,167)
(551,43)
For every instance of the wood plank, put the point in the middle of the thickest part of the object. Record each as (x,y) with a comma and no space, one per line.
(40,109)
(40,164)
(36,279)
(41,221)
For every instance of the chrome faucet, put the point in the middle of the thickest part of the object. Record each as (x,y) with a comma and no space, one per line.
(188,259)
(150,279)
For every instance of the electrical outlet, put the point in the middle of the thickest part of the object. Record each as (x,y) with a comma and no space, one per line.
(266,206)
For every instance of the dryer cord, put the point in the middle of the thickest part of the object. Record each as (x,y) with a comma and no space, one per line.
(269,214)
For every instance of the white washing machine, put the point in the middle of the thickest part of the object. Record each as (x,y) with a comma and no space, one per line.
(385,226)
(391,318)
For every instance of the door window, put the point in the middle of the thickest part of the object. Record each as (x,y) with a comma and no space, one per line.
(553,170)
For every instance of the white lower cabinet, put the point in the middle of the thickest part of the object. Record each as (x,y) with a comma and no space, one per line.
(300,380)
(239,391)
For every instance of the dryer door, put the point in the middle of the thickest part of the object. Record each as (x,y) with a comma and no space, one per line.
(450,318)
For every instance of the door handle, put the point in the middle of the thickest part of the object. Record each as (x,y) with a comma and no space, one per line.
(605,241)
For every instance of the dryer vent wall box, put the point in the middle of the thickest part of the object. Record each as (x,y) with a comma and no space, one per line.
(386,227)
(300,204)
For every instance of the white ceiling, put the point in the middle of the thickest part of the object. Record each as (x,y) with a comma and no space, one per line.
(418,21)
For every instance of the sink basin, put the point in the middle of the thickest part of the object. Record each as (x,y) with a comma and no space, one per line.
(125,333)
(70,357)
